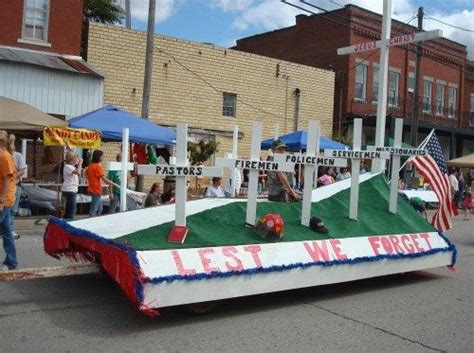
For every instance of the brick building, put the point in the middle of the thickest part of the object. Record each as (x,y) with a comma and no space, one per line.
(40,44)
(443,86)
(209,87)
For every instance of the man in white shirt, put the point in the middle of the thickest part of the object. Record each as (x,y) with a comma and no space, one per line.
(20,172)
(453,182)
(215,190)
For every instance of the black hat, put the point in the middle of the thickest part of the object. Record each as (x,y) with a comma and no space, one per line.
(278,144)
(317,225)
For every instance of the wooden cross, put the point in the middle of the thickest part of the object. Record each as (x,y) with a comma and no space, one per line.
(384,45)
(254,165)
(181,171)
(356,154)
(396,152)
(311,161)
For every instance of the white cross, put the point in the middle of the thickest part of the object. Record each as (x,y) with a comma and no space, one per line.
(235,140)
(311,161)
(384,45)
(254,165)
(181,171)
(356,155)
(396,152)
(124,167)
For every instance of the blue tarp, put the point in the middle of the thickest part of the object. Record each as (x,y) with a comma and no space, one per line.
(110,121)
(297,141)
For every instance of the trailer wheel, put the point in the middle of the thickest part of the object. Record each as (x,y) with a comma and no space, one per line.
(203,308)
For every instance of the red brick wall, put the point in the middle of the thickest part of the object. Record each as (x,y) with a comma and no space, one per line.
(314,41)
(64,26)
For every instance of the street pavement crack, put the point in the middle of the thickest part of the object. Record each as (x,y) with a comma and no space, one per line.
(374,327)
(67,307)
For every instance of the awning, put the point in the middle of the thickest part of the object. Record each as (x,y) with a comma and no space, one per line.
(297,141)
(464,161)
(111,121)
(15,115)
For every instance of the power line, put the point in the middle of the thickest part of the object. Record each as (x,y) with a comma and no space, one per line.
(428,45)
(449,24)
(218,90)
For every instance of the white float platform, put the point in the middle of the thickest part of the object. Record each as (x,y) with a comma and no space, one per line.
(162,278)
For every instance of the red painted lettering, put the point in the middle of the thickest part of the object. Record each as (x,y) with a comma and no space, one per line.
(316,252)
(395,242)
(254,250)
(179,265)
(337,250)
(426,238)
(414,237)
(409,248)
(230,251)
(387,245)
(206,262)
(375,243)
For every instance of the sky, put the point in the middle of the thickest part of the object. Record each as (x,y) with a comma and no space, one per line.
(222,22)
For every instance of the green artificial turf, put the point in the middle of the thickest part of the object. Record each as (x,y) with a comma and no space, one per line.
(226,225)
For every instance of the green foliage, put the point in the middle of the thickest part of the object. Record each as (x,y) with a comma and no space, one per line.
(103,11)
(201,152)
(342,138)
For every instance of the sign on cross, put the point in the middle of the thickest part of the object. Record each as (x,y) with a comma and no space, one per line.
(181,171)
(356,154)
(311,161)
(396,152)
(384,45)
(254,164)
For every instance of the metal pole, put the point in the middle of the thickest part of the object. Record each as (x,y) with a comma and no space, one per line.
(377,165)
(128,14)
(148,70)
(416,100)
(149,58)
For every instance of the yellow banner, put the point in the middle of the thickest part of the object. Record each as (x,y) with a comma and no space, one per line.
(73,138)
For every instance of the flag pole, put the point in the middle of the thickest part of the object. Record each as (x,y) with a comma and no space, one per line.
(421,146)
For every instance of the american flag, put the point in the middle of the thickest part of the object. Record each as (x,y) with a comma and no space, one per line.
(432,167)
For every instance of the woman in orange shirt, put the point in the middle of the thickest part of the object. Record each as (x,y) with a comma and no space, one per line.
(95,176)
(7,200)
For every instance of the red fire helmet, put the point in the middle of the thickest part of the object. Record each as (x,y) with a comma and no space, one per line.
(270,227)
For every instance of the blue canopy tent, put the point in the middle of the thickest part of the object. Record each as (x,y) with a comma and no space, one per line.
(297,141)
(110,121)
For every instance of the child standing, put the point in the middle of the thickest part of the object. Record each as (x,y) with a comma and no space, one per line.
(95,176)
(71,173)
(467,205)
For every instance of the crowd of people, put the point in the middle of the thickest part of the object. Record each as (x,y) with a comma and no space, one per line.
(280,186)
(461,190)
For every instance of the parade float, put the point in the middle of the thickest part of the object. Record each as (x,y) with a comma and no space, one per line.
(368,231)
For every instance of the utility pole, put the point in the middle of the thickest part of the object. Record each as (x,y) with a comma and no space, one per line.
(416,93)
(128,14)
(150,36)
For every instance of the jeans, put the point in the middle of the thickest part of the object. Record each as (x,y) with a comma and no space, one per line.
(114,204)
(96,205)
(71,206)
(15,206)
(7,235)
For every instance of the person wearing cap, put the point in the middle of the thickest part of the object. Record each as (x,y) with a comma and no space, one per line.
(279,188)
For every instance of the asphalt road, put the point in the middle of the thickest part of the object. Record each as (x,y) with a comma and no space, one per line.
(429,311)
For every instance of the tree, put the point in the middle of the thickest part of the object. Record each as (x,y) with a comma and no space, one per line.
(103,11)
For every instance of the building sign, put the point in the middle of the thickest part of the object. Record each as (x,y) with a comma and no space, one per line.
(72,138)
